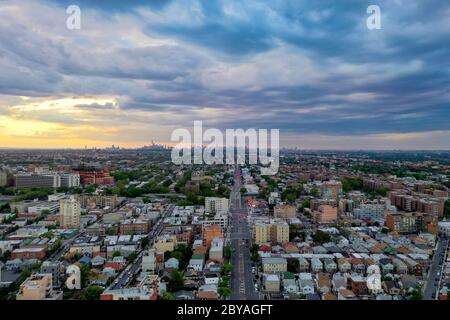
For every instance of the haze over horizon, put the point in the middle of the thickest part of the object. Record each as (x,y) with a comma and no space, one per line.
(136,71)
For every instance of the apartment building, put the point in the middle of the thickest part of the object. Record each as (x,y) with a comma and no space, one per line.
(216,250)
(325,214)
(32,180)
(38,206)
(135,226)
(274,265)
(411,222)
(209,232)
(279,232)
(271,232)
(373,210)
(38,287)
(165,243)
(149,261)
(216,205)
(100,178)
(70,180)
(284,211)
(221,219)
(89,201)
(28,253)
(413,202)
(331,189)
(53,268)
(70,213)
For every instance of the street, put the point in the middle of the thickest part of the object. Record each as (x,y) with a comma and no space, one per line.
(433,280)
(241,277)
(131,270)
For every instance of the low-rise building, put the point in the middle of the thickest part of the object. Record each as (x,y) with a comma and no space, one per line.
(272,283)
(38,287)
(274,265)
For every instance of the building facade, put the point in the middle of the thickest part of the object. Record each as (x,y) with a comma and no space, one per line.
(70,212)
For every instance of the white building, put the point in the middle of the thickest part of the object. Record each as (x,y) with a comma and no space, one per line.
(149,261)
(252,189)
(220,219)
(195,264)
(216,205)
(57,197)
(70,180)
(374,210)
(38,206)
(216,251)
(70,212)
(444,228)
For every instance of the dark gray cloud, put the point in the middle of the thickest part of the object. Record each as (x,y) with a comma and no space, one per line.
(301,66)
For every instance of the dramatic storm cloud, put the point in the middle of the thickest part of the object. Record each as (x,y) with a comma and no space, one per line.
(138,69)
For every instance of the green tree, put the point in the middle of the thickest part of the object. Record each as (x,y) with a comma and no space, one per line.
(227,251)
(111,231)
(132,257)
(447,208)
(48,235)
(416,294)
(184,203)
(305,204)
(243,190)
(295,231)
(6,256)
(116,254)
(144,242)
(85,273)
(254,248)
(350,184)
(224,281)
(321,237)
(226,268)
(91,293)
(292,193)
(384,230)
(224,292)
(89,189)
(255,257)
(177,255)
(176,281)
(168,296)
(314,192)
(45,213)
(56,246)
(293,265)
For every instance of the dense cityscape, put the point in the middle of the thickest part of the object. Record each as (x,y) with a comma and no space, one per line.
(139,227)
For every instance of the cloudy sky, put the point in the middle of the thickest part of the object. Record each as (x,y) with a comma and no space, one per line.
(138,69)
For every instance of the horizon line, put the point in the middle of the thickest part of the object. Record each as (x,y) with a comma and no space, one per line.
(118,148)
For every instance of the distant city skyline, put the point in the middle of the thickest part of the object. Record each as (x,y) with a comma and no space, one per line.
(138,70)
